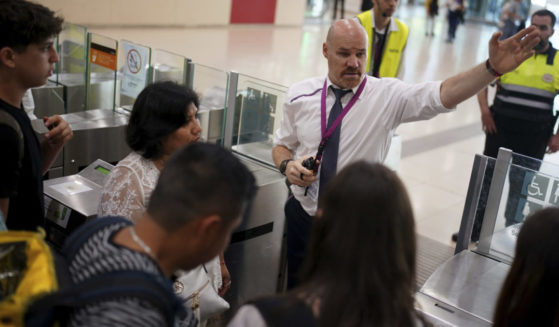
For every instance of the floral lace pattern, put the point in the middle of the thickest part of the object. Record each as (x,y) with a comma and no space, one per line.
(127,189)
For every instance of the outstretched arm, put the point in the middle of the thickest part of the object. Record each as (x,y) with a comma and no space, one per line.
(504,56)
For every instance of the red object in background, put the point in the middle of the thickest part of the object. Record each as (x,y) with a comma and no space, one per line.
(253,11)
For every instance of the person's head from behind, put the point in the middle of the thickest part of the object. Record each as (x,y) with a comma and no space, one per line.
(530,293)
(27,50)
(362,249)
(201,194)
(346,51)
(163,119)
(544,20)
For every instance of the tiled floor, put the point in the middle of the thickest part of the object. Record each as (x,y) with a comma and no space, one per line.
(437,154)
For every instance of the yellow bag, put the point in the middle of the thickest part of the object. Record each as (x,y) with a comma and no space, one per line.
(26,272)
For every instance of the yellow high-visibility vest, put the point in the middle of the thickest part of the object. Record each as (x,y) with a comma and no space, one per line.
(532,85)
(393,48)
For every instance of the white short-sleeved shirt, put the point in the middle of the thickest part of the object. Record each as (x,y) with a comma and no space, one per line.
(366,129)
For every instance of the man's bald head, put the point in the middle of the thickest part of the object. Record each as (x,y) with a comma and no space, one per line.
(346,28)
(346,51)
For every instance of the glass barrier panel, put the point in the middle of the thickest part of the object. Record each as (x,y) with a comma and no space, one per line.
(530,185)
(168,66)
(73,60)
(70,72)
(258,114)
(211,85)
(134,72)
(101,72)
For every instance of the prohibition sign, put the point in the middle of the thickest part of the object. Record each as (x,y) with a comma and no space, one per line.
(134,60)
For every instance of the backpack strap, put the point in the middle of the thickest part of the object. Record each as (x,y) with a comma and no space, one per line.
(84,232)
(284,311)
(9,120)
(110,286)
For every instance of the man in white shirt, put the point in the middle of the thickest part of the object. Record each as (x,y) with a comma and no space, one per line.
(373,109)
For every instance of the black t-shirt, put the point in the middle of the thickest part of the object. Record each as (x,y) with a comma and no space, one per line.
(24,186)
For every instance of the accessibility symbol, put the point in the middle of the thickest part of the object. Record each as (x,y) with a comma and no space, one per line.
(535,186)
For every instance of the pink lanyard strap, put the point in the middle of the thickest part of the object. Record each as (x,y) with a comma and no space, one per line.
(347,108)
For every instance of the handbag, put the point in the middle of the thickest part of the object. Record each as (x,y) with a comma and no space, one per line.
(197,288)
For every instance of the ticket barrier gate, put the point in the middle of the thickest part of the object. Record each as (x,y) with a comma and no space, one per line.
(72,200)
(254,256)
(98,133)
(463,291)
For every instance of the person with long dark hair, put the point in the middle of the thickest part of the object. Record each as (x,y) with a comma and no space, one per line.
(360,268)
(530,293)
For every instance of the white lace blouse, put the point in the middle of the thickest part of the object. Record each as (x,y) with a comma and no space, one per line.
(128,188)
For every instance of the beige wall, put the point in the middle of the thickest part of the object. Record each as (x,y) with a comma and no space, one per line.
(163,12)
(290,12)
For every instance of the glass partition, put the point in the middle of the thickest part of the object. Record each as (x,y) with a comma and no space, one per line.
(168,66)
(101,72)
(514,186)
(134,72)
(211,84)
(258,109)
(71,68)
(72,53)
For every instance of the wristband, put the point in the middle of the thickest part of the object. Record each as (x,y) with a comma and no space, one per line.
(222,262)
(491,70)
(283,166)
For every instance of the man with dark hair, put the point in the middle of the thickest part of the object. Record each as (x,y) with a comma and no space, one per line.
(27,59)
(521,117)
(199,199)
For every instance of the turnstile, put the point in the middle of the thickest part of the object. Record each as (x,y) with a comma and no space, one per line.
(98,133)
(254,256)
(72,200)
(464,290)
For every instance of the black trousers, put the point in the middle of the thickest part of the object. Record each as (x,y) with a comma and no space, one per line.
(342,8)
(523,137)
(298,233)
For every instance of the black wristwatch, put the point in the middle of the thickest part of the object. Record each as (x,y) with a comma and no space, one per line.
(283,166)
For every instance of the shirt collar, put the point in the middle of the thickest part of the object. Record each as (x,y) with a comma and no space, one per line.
(354,90)
(549,50)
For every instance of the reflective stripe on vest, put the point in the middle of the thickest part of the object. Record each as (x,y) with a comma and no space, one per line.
(393,48)
(532,85)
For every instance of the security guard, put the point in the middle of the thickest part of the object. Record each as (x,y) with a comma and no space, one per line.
(521,117)
(388,37)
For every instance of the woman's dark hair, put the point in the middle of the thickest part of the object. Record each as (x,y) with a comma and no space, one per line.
(361,260)
(530,293)
(159,110)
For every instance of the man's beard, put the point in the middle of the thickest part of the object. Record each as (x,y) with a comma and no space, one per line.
(540,46)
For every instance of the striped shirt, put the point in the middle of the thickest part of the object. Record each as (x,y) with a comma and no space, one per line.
(99,255)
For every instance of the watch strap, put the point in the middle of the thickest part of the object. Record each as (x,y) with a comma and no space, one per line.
(283,166)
